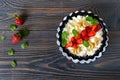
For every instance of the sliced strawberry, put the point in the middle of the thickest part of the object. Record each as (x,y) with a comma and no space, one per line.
(88,29)
(83,33)
(79,41)
(93,27)
(73,39)
(78,37)
(86,38)
(97,28)
(69,44)
(75,46)
(91,33)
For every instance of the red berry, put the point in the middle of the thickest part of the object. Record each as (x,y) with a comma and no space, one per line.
(78,37)
(83,33)
(97,28)
(75,46)
(91,33)
(88,29)
(16,38)
(79,41)
(86,38)
(18,20)
(93,27)
(73,39)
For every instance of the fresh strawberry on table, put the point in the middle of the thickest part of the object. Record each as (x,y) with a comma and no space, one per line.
(16,38)
(18,20)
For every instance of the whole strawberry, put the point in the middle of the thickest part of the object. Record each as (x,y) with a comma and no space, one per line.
(18,20)
(16,38)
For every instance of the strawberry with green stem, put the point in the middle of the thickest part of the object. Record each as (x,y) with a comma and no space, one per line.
(16,38)
(18,20)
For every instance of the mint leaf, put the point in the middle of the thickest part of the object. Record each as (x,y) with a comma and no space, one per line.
(92,20)
(75,32)
(64,42)
(13,27)
(13,63)
(25,32)
(86,43)
(11,52)
(64,35)
(2,37)
(89,18)
(24,45)
(95,21)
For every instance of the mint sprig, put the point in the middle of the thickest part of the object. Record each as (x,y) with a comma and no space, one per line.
(64,38)
(64,35)
(64,42)
(25,32)
(13,63)
(11,52)
(24,45)
(13,27)
(2,37)
(92,20)
(89,18)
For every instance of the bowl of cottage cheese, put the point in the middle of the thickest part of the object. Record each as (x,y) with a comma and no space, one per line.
(82,36)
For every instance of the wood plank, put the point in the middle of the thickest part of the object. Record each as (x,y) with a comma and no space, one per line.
(46,20)
(23,4)
(42,17)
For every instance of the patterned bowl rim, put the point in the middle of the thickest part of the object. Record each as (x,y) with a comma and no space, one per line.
(62,24)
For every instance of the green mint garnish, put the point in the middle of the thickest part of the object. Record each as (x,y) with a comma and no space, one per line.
(64,35)
(75,32)
(86,43)
(11,52)
(92,20)
(24,45)
(2,37)
(64,42)
(95,21)
(13,27)
(13,63)
(89,18)
(25,32)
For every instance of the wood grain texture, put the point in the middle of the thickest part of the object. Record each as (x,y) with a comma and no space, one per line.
(42,60)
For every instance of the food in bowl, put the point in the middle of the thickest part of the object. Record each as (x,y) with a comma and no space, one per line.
(82,36)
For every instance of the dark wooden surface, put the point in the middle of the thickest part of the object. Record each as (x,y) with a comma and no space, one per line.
(42,59)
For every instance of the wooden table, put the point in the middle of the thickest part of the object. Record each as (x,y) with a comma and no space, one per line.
(42,60)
